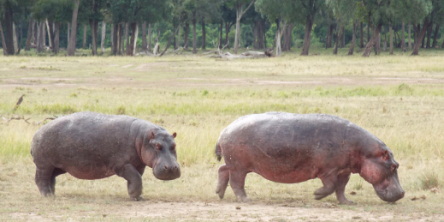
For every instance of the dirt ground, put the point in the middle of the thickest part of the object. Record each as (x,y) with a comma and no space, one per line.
(219,211)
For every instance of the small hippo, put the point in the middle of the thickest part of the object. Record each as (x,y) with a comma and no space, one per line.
(292,148)
(94,146)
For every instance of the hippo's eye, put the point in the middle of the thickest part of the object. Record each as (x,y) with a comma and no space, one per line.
(173,147)
(158,147)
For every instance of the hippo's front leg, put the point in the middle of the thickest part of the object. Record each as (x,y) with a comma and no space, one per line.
(340,188)
(134,179)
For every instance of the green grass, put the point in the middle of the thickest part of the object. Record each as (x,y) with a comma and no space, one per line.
(398,98)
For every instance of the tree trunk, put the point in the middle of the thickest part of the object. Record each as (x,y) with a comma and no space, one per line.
(391,39)
(50,30)
(125,42)
(378,43)
(410,35)
(329,37)
(287,37)
(227,32)
(372,42)
(72,38)
(435,36)
(361,35)
(29,35)
(278,47)
(237,36)
(40,37)
(204,35)
(68,34)
(94,26)
(185,35)
(429,36)
(102,40)
(116,38)
(144,45)
(353,41)
(51,37)
(240,11)
(307,35)
(8,30)
(420,36)
(194,33)
(338,39)
(56,45)
(15,39)
(150,36)
(3,38)
(131,47)
(221,26)
(403,37)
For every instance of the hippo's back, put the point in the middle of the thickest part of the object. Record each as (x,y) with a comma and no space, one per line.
(286,127)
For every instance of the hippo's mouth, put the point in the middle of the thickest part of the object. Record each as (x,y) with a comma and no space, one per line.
(163,172)
(389,189)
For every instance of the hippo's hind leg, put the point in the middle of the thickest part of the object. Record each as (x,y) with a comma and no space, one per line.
(45,179)
(134,180)
(237,183)
(328,188)
(224,176)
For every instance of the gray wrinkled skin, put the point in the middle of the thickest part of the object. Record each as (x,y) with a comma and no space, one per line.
(94,146)
(292,148)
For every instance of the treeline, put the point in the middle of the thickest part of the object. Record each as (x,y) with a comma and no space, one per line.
(130,26)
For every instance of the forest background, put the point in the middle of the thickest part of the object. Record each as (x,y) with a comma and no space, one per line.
(129,27)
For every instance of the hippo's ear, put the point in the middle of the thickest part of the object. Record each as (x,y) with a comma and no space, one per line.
(174,135)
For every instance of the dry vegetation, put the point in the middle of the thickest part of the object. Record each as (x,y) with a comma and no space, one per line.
(398,98)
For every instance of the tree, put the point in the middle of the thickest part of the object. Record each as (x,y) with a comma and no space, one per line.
(134,12)
(279,12)
(11,11)
(376,13)
(73,36)
(241,6)
(54,12)
(92,14)
(344,13)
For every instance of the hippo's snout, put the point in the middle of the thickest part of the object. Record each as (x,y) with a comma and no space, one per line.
(390,189)
(390,195)
(167,172)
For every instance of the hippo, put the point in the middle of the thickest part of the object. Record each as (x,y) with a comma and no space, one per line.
(93,146)
(292,148)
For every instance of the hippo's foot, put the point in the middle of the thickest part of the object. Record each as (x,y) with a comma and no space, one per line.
(243,199)
(137,198)
(322,192)
(346,202)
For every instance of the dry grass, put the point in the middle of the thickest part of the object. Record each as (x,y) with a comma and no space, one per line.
(400,99)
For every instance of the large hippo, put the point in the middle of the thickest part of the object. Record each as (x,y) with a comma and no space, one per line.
(94,146)
(291,148)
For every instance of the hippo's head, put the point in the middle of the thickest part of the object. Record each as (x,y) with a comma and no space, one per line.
(159,152)
(379,168)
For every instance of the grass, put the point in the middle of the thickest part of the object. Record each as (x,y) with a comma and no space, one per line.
(398,98)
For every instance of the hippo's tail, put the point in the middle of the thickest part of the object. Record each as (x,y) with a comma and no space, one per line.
(218,152)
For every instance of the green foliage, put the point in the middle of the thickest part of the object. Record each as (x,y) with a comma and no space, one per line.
(55,10)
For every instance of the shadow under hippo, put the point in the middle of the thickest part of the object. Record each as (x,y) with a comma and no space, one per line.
(94,146)
(292,148)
